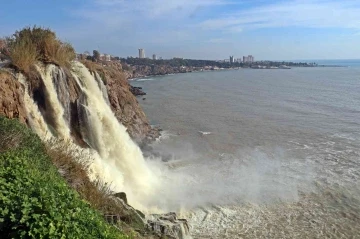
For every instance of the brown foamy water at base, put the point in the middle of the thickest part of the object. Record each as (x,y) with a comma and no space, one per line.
(261,154)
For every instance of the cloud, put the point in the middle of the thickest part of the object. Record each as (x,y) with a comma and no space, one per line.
(217,40)
(305,13)
(183,27)
(144,9)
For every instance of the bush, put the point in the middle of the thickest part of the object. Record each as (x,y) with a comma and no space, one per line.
(35,201)
(23,55)
(28,45)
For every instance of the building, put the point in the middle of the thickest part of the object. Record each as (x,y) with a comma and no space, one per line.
(154,57)
(231,59)
(248,59)
(141,53)
(107,57)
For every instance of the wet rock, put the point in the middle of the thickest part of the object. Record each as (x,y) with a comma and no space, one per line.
(169,225)
(137,90)
(122,196)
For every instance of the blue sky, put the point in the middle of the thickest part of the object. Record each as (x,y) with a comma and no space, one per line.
(201,29)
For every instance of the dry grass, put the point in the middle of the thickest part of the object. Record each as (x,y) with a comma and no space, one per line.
(29,45)
(58,52)
(9,140)
(92,66)
(23,55)
(74,168)
(95,67)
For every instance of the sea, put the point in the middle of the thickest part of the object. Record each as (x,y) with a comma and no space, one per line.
(261,153)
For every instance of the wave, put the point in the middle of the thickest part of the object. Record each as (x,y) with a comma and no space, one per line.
(144,79)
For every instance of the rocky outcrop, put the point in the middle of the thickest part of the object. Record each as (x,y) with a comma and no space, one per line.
(169,225)
(11,97)
(155,226)
(137,91)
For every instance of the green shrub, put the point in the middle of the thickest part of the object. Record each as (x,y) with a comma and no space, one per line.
(35,201)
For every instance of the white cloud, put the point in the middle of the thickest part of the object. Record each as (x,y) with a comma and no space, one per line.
(217,40)
(305,13)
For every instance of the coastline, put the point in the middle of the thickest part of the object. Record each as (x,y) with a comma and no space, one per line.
(144,76)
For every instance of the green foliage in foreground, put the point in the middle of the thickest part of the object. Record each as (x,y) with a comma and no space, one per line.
(35,201)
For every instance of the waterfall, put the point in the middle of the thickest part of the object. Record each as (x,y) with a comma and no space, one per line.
(60,81)
(113,156)
(102,87)
(54,107)
(36,120)
(122,162)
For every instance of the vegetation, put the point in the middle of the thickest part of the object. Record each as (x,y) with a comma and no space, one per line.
(29,45)
(96,55)
(35,201)
(177,62)
(74,169)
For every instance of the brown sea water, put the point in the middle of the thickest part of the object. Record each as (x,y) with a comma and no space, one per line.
(261,153)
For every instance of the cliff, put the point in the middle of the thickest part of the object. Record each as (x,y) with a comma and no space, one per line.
(69,105)
(11,97)
(122,101)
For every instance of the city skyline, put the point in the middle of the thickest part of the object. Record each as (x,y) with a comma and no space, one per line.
(207,29)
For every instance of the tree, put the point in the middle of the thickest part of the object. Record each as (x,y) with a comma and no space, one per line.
(96,55)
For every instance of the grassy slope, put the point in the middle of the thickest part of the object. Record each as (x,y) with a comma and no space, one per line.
(35,201)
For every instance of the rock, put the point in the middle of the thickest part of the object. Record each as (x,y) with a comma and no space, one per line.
(137,90)
(124,104)
(122,196)
(169,225)
(12,97)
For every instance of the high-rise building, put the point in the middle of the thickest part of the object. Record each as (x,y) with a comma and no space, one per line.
(154,57)
(141,53)
(231,59)
(250,58)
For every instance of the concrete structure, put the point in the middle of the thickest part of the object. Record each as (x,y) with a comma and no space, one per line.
(141,53)
(154,57)
(248,58)
(231,59)
(102,57)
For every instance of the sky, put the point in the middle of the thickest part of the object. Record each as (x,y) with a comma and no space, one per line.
(197,29)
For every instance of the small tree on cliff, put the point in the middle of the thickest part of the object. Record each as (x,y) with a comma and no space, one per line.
(96,55)
(3,49)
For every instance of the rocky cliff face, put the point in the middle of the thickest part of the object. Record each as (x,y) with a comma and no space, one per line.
(125,106)
(11,97)
(123,103)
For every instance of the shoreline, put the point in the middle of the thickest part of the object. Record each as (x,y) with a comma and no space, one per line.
(228,69)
